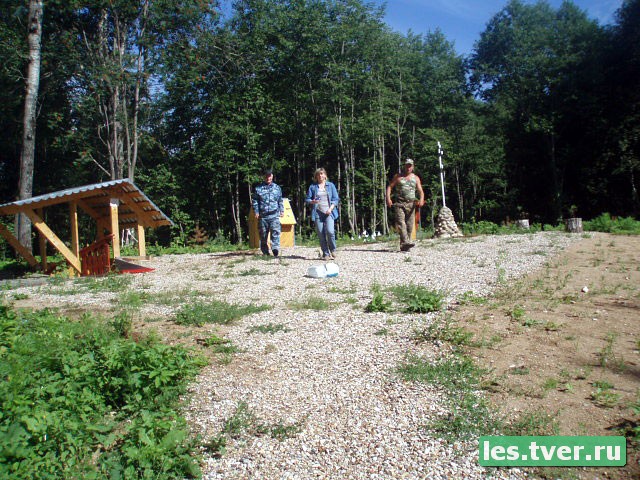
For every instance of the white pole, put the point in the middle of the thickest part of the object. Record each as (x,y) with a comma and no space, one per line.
(444,203)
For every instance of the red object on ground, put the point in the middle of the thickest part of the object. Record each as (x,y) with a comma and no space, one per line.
(96,259)
(127,267)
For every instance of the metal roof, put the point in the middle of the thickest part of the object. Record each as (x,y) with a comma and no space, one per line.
(134,207)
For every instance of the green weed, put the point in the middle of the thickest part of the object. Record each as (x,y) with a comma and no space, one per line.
(607,356)
(378,303)
(311,303)
(517,313)
(418,299)
(460,376)
(215,311)
(470,298)
(245,422)
(269,328)
(603,396)
(253,271)
(346,291)
(534,423)
(444,330)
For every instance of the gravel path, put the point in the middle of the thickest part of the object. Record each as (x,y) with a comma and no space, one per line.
(331,373)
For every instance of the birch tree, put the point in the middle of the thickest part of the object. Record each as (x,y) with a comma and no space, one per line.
(27,156)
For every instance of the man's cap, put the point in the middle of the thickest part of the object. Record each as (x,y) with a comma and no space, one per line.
(408,161)
(267,171)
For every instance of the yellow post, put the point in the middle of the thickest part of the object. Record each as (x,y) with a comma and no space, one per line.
(53,238)
(42,240)
(73,222)
(115,226)
(142,247)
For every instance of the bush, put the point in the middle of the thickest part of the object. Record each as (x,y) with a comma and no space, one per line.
(480,228)
(604,223)
(80,401)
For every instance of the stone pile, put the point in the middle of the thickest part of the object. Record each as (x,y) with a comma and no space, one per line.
(446,225)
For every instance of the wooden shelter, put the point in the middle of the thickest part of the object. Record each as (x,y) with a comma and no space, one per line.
(114,206)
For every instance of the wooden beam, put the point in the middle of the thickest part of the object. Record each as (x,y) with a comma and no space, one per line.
(18,247)
(73,223)
(89,209)
(42,240)
(115,226)
(142,246)
(143,216)
(53,238)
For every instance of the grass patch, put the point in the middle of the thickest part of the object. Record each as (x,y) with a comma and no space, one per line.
(470,298)
(220,345)
(452,373)
(113,283)
(244,422)
(603,396)
(216,311)
(269,328)
(311,303)
(460,376)
(252,271)
(607,357)
(444,330)
(345,291)
(534,423)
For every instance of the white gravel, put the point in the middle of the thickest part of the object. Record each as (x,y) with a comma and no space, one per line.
(330,373)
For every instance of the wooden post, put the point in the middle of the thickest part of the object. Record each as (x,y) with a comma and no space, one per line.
(142,247)
(53,238)
(42,240)
(73,222)
(115,226)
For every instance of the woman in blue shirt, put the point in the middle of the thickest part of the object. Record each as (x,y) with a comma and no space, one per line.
(323,198)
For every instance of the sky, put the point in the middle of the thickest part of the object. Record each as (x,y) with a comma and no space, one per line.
(462,21)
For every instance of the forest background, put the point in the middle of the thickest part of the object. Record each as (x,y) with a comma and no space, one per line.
(541,120)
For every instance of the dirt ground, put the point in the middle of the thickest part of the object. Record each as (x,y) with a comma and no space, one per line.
(565,343)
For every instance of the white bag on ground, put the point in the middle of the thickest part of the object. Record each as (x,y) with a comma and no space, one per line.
(322,271)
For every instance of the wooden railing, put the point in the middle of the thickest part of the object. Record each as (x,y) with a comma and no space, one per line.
(95,258)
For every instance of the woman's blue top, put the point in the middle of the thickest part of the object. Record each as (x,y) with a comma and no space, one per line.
(332,192)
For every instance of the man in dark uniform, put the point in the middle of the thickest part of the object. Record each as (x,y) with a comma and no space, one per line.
(268,207)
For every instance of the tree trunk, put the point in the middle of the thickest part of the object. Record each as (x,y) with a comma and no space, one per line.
(460,195)
(236,209)
(27,160)
(574,225)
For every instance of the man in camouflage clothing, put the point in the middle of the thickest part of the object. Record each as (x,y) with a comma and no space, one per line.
(404,187)
(268,208)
